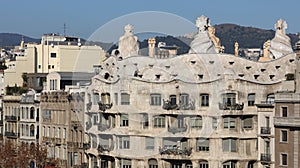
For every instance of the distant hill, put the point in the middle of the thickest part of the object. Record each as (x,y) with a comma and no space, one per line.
(13,39)
(247,37)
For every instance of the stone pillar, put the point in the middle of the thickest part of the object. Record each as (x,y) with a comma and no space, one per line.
(98,161)
(90,162)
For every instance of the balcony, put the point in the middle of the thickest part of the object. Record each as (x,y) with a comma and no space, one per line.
(287,121)
(177,129)
(105,148)
(168,105)
(11,118)
(224,106)
(11,134)
(265,157)
(265,104)
(189,106)
(103,127)
(175,151)
(265,130)
(86,146)
(103,107)
(75,124)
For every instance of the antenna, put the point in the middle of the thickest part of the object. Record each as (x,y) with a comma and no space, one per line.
(65,29)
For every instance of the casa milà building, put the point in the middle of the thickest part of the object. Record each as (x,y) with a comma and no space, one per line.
(197,110)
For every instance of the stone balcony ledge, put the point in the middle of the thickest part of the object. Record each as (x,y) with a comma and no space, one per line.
(287,121)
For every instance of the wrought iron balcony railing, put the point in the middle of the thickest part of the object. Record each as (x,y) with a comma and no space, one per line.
(103,107)
(177,129)
(224,106)
(175,151)
(105,148)
(265,157)
(168,105)
(265,130)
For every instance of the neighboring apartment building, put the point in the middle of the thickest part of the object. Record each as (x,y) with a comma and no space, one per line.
(287,122)
(11,113)
(29,117)
(61,131)
(55,53)
(200,109)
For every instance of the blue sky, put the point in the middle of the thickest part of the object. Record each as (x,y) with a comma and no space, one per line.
(83,18)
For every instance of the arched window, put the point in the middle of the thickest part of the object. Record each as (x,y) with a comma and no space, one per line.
(32,113)
(229,164)
(27,130)
(105,98)
(31,130)
(203,164)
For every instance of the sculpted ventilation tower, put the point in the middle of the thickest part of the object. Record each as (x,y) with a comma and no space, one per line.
(202,42)
(128,43)
(280,44)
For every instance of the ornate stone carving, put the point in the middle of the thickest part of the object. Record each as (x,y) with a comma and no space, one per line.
(202,42)
(281,44)
(215,39)
(128,43)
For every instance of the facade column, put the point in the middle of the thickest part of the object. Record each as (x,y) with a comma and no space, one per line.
(98,161)
(90,162)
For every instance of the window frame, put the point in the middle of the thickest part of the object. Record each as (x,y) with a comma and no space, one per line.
(281,159)
(124,142)
(159,121)
(195,121)
(250,101)
(281,136)
(124,120)
(155,99)
(229,121)
(230,145)
(125,100)
(284,111)
(204,100)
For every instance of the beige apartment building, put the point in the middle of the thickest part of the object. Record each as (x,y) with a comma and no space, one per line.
(61,130)
(54,53)
(197,110)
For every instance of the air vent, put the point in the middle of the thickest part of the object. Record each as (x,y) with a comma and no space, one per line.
(231,62)
(241,75)
(211,62)
(248,67)
(291,60)
(256,76)
(262,70)
(271,76)
(277,66)
(193,62)
(200,76)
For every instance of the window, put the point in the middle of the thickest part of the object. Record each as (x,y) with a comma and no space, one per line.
(155,99)
(270,98)
(124,120)
(176,165)
(284,111)
(53,84)
(31,113)
(229,122)
(124,142)
(214,123)
(229,145)
(184,99)
(159,122)
(46,114)
(153,163)
(173,100)
(229,164)
(75,158)
(31,130)
(284,159)
(53,55)
(196,122)
(283,136)
(145,121)
(125,99)
(203,164)
(229,99)
(125,163)
(95,98)
(169,143)
(149,143)
(247,122)
(202,144)
(105,98)
(204,100)
(251,99)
